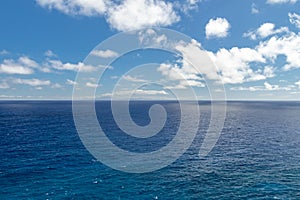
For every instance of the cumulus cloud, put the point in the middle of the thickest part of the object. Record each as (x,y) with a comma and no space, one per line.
(269,71)
(192,52)
(105,53)
(23,65)
(265,30)
(234,65)
(121,15)
(287,45)
(281,1)
(218,27)
(27,62)
(228,66)
(16,67)
(295,19)
(184,76)
(188,71)
(137,14)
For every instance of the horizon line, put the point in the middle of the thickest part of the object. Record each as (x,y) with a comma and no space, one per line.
(218,100)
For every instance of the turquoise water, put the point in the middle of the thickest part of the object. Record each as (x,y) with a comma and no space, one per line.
(256,157)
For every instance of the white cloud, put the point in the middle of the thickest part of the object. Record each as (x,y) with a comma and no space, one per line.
(12,67)
(192,2)
(283,81)
(149,38)
(187,5)
(287,45)
(70,82)
(184,84)
(140,93)
(218,27)
(231,66)
(281,1)
(77,7)
(56,86)
(184,76)
(121,15)
(105,54)
(228,66)
(32,82)
(234,65)
(114,77)
(133,79)
(298,84)
(269,71)
(50,53)
(39,88)
(295,19)
(192,52)
(251,88)
(265,30)
(92,85)
(295,93)
(266,87)
(23,65)
(106,95)
(137,14)
(173,72)
(270,87)
(24,60)
(9,96)
(254,9)
(4,52)
(58,65)
(150,92)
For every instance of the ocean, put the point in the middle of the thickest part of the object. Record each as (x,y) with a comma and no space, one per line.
(256,157)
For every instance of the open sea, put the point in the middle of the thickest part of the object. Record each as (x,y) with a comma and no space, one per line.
(256,157)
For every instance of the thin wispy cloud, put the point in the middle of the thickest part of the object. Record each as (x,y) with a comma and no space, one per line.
(281,1)
(265,30)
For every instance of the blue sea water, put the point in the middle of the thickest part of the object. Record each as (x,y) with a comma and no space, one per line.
(256,157)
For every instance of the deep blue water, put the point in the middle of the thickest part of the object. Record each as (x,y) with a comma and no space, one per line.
(256,157)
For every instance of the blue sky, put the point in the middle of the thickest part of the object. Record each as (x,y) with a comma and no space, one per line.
(255,46)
